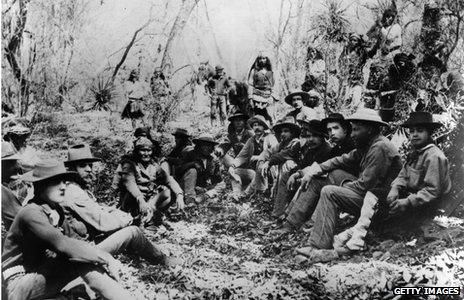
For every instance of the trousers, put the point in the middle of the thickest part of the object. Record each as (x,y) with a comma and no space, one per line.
(52,276)
(283,196)
(333,200)
(218,106)
(301,208)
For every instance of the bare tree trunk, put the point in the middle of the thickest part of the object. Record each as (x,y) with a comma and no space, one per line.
(10,53)
(179,24)
(218,50)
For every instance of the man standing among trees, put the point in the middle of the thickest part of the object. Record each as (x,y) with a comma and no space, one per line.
(217,88)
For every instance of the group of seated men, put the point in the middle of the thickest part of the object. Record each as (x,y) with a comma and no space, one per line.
(318,169)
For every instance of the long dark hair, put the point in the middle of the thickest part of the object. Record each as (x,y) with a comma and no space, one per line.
(257,66)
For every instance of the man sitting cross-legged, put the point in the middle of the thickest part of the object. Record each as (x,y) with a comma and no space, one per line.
(91,221)
(246,170)
(378,161)
(38,259)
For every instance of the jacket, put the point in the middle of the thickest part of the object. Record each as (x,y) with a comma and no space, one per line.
(218,85)
(11,204)
(425,176)
(38,228)
(100,218)
(210,172)
(285,152)
(378,163)
(142,182)
(264,148)
(235,141)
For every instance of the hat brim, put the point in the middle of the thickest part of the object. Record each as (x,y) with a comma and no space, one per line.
(329,120)
(293,127)
(11,157)
(198,141)
(181,134)
(244,117)
(254,120)
(76,161)
(433,125)
(304,96)
(380,123)
(29,177)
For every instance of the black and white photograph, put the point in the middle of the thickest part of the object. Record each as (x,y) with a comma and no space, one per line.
(232,149)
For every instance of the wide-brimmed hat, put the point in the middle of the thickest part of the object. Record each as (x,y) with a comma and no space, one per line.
(315,126)
(18,129)
(421,118)
(304,96)
(181,132)
(335,117)
(260,119)
(9,152)
(288,122)
(48,169)
(219,67)
(80,153)
(205,139)
(367,115)
(238,115)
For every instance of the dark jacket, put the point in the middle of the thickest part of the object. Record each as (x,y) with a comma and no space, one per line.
(211,171)
(346,146)
(284,152)
(38,228)
(218,85)
(235,141)
(11,204)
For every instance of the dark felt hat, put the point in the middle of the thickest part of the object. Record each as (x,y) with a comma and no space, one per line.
(238,115)
(288,122)
(421,118)
(335,117)
(315,126)
(181,132)
(205,139)
(304,96)
(48,169)
(80,153)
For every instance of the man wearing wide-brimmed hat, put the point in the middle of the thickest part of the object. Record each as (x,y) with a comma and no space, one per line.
(91,220)
(311,148)
(246,171)
(378,161)
(200,170)
(182,145)
(339,131)
(238,134)
(414,194)
(14,190)
(297,100)
(29,272)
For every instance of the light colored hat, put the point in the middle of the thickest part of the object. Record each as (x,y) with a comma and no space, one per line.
(304,96)
(260,119)
(48,169)
(288,122)
(80,153)
(9,152)
(367,115)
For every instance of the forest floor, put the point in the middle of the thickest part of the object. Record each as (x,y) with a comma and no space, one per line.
(225,249)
